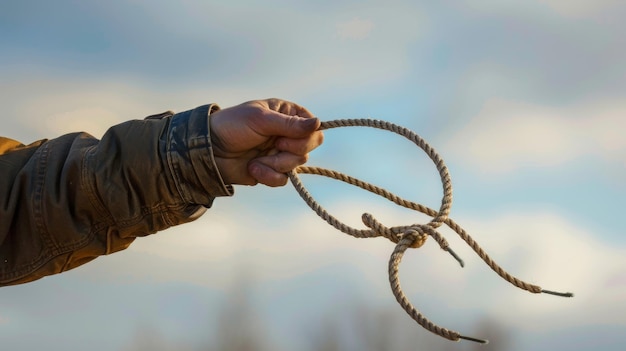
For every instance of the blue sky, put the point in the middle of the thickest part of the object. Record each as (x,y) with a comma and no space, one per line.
(523,99)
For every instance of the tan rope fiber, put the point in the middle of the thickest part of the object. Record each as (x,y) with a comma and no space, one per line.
(406,236)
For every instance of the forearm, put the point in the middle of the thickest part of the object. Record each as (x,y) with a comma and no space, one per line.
(75,198)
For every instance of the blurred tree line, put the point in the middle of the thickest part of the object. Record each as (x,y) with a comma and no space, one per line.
(365,329)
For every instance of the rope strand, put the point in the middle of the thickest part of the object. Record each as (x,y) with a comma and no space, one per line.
(413,236)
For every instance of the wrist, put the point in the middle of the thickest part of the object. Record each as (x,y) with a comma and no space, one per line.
(190,157)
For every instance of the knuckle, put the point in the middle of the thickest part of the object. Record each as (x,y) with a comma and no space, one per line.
(320,138)
(304,159)
(292,122)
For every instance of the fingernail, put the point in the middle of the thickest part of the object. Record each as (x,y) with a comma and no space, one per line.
(310,123)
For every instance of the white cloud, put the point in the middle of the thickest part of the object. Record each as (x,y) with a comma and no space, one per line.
(93,119)
(540,247)
(580,8)
(209,240)
(565,8)
(506,136)
(351,50)
(52,105)
(354,29)
(263,243)
(297,56)
(557,254)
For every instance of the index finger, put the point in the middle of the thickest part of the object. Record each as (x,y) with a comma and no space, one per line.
(288,108)
(300,146)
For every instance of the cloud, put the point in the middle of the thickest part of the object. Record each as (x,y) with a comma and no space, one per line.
(206,241)
(558,254)
(539,246)
(581,8)
(163,64)
(565,8)
(299,53)
(507,136)
(45,104)
(354,29)
(520,50)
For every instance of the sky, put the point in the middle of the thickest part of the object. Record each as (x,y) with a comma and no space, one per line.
(522,99)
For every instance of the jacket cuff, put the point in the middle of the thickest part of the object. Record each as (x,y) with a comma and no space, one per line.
(190,157)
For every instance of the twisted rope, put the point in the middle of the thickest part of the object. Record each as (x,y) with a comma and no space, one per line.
(414,235)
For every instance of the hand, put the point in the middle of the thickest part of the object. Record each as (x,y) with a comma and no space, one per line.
(260,141)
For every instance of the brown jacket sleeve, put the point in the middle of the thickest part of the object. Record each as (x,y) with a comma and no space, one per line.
(66,201)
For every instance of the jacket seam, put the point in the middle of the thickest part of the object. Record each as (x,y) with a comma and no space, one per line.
(87,183)
(41,155)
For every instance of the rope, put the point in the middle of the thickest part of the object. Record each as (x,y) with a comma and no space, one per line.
(407,236)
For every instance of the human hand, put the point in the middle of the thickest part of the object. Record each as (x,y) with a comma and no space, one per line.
(260,141)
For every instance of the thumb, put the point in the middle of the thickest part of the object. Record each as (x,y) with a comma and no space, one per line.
(277,124)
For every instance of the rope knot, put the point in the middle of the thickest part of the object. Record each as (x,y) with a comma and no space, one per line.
(417,238)
(395,234)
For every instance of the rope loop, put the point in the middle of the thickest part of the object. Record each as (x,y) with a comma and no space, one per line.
(408,236)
